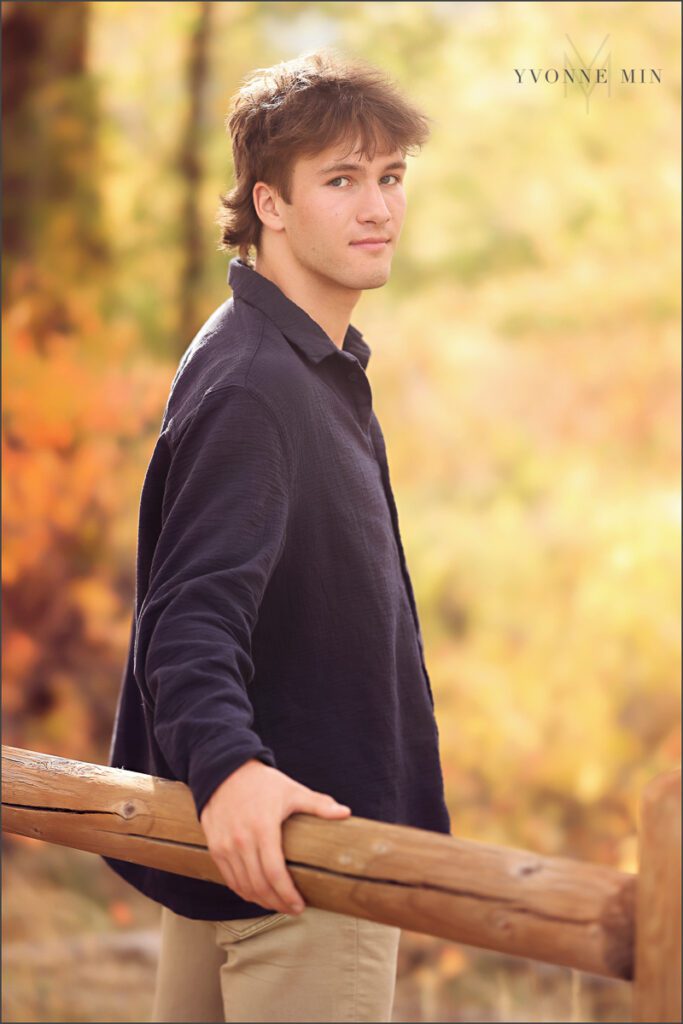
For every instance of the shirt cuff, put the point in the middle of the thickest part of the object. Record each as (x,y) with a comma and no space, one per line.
(210,767)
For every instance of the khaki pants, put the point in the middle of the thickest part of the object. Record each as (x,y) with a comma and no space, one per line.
(317,966)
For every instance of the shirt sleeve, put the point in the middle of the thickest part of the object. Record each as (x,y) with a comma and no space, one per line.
(223,523)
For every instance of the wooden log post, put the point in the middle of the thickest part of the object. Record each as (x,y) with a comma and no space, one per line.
(517,902)
(657,982)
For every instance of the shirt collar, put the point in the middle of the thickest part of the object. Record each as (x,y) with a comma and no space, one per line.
(294,322)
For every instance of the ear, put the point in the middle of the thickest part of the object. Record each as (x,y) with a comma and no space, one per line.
(267,205)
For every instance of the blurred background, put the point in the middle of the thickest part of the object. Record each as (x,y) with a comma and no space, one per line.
(525,369)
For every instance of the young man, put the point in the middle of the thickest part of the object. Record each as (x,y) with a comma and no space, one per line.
(276,662)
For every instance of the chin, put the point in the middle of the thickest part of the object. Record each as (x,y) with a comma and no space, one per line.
(370,277)
(376,278)
(355,278)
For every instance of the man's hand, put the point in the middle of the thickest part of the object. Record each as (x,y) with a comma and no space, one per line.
(242,823)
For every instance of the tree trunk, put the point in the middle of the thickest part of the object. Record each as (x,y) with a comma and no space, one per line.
(190,166)
(50,205)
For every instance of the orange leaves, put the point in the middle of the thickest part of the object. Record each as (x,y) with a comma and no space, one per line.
(80,415)
(452,961)
(19,656)
(121,913)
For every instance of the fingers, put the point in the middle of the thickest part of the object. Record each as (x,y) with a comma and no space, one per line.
(250,855)
(311,802)
(275,869)
(254,867)
(232,865)
(261,888)
(227,872)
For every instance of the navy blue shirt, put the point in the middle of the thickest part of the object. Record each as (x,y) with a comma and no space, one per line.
(274,613)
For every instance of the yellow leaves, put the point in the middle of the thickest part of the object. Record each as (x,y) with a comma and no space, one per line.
(66,729)
(100,608)
(590,780)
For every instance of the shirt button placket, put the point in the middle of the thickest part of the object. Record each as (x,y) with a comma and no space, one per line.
(361,399)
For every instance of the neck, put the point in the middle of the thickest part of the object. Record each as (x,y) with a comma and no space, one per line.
(326,302)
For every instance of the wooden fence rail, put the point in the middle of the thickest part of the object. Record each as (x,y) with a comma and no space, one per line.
(562,911)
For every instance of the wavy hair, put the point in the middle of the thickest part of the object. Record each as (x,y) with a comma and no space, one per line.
(298,108)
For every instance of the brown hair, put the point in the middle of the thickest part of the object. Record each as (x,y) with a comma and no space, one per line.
(298,108)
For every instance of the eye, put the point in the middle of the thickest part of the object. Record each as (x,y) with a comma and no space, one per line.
(340,178)
(398,180)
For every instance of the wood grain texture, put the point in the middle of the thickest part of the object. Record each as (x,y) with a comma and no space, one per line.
(657,988)
(513,901)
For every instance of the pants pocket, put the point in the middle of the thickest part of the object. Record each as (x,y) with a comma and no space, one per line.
(242,928)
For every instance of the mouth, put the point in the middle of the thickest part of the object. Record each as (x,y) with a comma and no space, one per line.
(371,244)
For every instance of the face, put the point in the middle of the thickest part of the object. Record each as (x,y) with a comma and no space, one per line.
(345,215)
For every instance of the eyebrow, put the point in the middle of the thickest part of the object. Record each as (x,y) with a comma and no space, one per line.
(395,165)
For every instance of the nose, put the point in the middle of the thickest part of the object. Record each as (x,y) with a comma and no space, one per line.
(373,207)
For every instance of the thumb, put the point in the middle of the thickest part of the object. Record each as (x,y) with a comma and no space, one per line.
(322,804)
